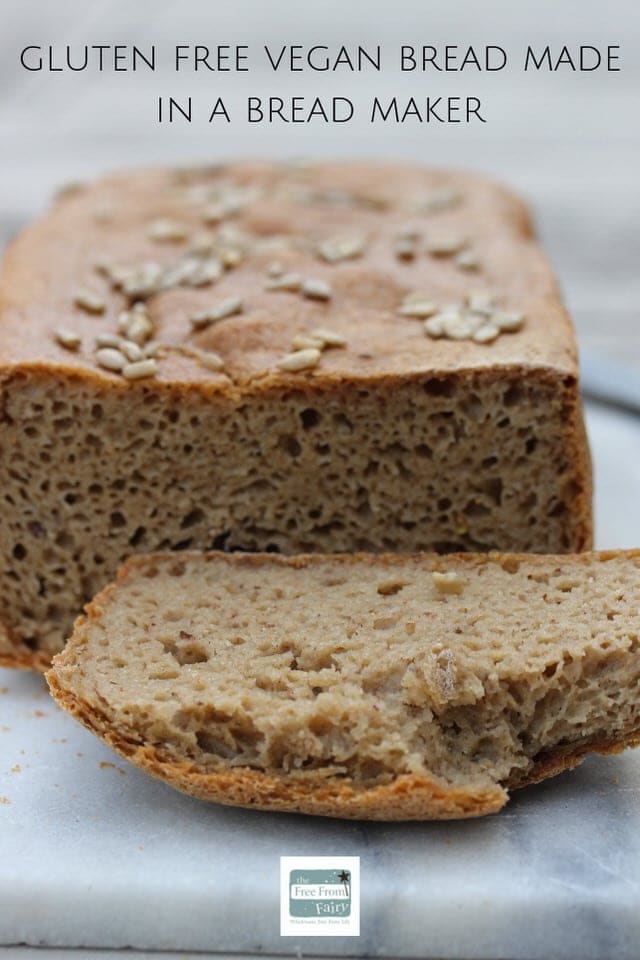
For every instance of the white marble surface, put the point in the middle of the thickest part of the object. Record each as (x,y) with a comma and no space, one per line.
(95,854)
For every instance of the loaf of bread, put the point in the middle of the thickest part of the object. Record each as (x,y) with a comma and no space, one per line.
(377,686)
(279,358)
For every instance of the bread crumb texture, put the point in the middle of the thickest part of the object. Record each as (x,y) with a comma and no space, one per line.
(357,686)
(237,357)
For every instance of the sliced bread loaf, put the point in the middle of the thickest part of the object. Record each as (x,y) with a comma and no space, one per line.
(382,687)
(277,358)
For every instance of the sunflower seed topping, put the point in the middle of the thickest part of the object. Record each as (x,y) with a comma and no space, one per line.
(206,358)
(222,310)
(419,309)
(509,322)
(328,337)
(486,334)
(304,342)
(316,290)
(289,282)
(478,320)
(135,324)
(108,340)
(152,349)
(481,302)
(139,282)
(445,246)
(231,257)
(300,360)
(434,326)
(202,244)
(339,248)
(131,350)
(209,360)
(165,230)
(467,260)
(140,369)
(216,212)
(111,359)
(68,339)
(89,301)
(440,200)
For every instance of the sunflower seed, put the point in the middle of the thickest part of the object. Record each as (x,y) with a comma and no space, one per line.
(110,359)
(481,302)
(165,230)
(68,339)
(458,326)
(214,213)
(509,322)
(140,369)
(445,246)
(108,340)
(300,360)
(444,199)
(231,257)
(222,310)
(338,248)
(202,244)
(302,342)
(139,282)
(434,327)
(316,290)
(467,260)
(328,338)
(89,301)
(152,349)
(487,333)
(131,350)
(289,282)
(210,360)
(139,329)
(418,310)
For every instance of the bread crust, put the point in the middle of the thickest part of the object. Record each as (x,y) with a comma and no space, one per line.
(407,797)
(496,219)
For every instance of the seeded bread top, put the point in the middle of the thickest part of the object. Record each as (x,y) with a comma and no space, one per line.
(257,274)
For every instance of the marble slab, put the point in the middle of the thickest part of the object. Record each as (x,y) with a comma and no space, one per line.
(94,854)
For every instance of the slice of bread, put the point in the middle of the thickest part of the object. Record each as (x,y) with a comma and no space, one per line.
(384,687)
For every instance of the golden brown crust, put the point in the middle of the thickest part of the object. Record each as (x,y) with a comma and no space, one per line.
(40,275)
(408,797)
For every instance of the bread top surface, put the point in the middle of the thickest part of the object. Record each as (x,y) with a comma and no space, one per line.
(281,213)
(370,667)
